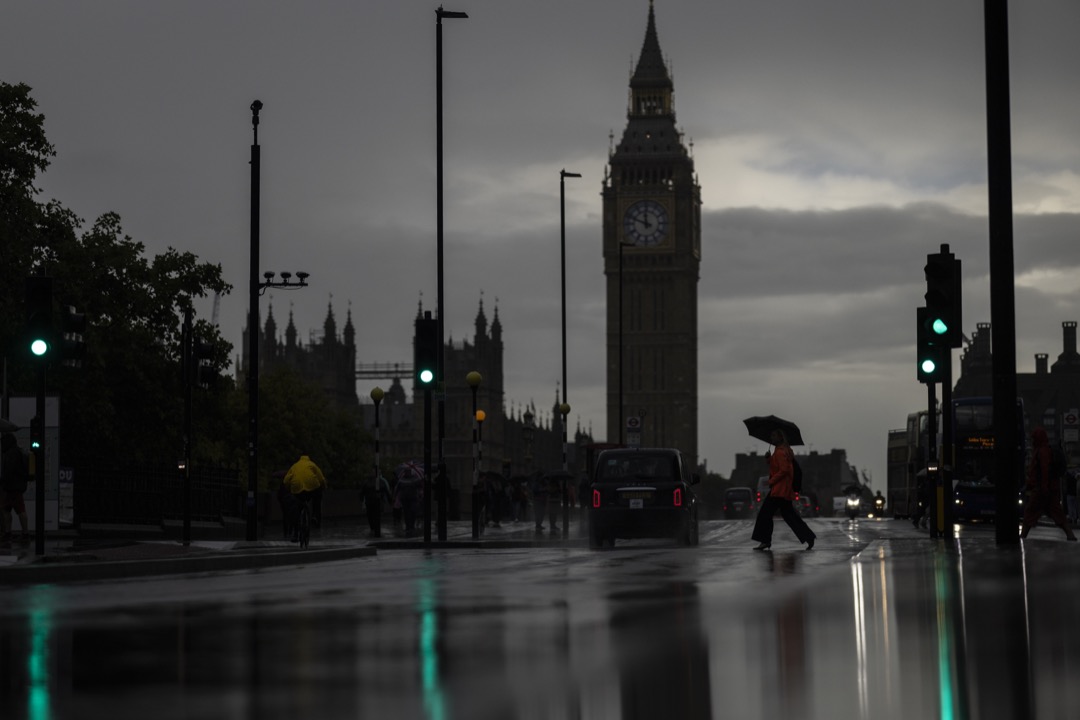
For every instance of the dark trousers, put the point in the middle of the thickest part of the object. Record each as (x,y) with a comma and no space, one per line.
(764,525)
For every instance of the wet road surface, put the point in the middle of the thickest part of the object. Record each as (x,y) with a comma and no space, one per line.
(876,622)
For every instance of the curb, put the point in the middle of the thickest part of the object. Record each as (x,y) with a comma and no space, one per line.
(31,573)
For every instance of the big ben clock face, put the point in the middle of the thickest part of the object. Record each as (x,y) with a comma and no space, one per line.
(646,223)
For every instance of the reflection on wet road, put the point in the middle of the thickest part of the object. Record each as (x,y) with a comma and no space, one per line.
(876,622)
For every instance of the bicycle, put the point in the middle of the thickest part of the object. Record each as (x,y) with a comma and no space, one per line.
(303,525)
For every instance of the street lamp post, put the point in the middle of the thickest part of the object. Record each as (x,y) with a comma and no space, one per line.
(622,246)
(377,395)
(562,259)
(256,288)
(473,379)
(564,410)
(440,371)
(480,416)
(253,334)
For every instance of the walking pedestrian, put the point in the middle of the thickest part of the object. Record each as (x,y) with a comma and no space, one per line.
(1043,487)
(780,498)
(922,499)
(376,493)
(14,476)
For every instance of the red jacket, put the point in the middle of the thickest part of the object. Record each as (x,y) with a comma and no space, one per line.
(782,473)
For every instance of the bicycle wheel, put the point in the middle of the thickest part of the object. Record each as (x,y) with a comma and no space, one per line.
(305,526)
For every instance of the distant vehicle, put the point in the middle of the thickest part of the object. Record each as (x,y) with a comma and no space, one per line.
(740,502)
(762,489)
(642,493)
(806,506)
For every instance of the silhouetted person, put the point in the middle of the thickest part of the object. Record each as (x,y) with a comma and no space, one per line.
(14,476)
(780,498)
(1043,487)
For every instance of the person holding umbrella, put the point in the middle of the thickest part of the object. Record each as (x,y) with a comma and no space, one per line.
(781,495)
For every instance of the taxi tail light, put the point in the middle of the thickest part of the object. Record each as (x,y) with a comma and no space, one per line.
(678,497)
(596,498)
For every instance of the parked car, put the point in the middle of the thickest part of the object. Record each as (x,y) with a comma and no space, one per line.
(740,502)
(642,493)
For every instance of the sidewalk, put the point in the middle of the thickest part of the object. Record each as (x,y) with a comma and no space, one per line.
(70,557)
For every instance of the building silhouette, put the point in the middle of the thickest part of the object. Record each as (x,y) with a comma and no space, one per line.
(329,360)
(652,255)
(522,440)
(1051,394)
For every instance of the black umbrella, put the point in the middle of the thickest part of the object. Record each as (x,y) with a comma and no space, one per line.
(762,427)
(7,426)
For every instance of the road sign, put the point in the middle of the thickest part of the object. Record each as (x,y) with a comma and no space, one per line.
(1072,417)
(633,424)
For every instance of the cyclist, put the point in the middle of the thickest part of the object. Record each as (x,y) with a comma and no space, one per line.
(306,482)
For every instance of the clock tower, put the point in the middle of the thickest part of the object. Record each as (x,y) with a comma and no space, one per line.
(652,255)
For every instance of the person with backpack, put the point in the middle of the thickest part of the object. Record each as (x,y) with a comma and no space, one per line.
(14,476)
(781,496)
(1043,495)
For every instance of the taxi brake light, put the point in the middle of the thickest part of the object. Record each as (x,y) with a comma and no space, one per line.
(678,497)
(596,498)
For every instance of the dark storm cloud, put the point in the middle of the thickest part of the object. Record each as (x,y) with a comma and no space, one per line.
(837,143)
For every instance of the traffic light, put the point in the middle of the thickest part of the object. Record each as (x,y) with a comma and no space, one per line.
(202,356)
(930,357)
(72,346)
(426,349)
(40,335)
(943,294)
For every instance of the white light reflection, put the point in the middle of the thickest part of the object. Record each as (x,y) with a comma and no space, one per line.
(861,680)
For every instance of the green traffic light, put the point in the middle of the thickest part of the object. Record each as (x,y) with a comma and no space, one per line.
(39,347)
(939,326)
(929,366)
(426,376)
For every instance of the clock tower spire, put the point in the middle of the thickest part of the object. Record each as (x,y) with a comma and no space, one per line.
(652,256)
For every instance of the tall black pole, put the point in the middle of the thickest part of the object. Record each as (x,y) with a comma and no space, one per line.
(440,365)
(427,466)
(936,491)
(440,370)
(620,399)
(1002,282)
(38,433)
(188,373)
(253,337)
(562,264)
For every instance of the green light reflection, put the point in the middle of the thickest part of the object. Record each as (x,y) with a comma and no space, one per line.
(434,701)
(946,659)
(39,701)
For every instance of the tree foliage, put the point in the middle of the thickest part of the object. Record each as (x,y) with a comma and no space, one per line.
(126,404)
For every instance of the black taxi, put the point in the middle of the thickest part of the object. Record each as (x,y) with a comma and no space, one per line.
(642,493)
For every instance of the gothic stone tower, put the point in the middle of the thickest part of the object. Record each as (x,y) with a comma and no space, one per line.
(652,255)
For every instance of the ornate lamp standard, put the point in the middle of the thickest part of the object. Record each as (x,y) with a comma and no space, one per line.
(473,379)
(377,395)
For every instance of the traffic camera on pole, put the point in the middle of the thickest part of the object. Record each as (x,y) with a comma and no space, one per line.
(930,358)
(943,304)
(426,349)
(40,333)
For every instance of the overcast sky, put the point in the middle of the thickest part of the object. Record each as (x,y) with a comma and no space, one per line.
(837,142)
